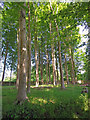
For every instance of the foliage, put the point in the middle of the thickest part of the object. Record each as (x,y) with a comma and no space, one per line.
(67,15)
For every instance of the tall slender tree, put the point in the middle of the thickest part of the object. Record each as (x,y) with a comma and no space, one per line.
(53,57)
(28,52)
(41,60)
(5,61)
(36,51)
(60,59)
(57,75)
(72,66)
(66,69)
(21,96)
(18,50)
(47,63)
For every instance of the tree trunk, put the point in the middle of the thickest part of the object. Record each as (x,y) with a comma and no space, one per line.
(72,66)
(53,64)
(57,70)
(66,70)
(36,61)
(60,61)
(41,59)
(75,72)
(36,57)
(5,62)
(11,69)
(28,52)
(60,64)
(41,64)
(49,72)
(10,75)
(18,64)
(53,59)
(22,78)
(47,63)
(41,69)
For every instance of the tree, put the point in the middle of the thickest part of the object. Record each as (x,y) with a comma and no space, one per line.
(66,70)
(36,51)
(21,96)
(18,64)
(5,61)
(60,61)
(57,75)
(28,52)
(53,57)
(41,59)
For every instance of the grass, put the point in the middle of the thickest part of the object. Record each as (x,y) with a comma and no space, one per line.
(46,103)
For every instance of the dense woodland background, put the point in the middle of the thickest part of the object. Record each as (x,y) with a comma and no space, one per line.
(41,41)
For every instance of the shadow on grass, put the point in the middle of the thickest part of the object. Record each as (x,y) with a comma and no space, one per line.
(49,103)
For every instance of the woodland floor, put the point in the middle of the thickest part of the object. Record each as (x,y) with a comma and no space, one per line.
(46,102)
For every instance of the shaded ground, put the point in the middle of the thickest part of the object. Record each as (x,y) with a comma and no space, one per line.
(51,102)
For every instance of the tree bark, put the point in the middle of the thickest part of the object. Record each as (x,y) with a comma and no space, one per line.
(53,64)
(5,62)
(36,61)
(18,64)
(41,69)
(60,64)
(41,59)
(10,76)
(28,52)
(49,72)
(36,57)
(53,59)
(66,70)
(41,64)
(75,72)
(11,68)
(22,78)
(57,70)
(60,60)
(41,74)
(72,66)
(47,66)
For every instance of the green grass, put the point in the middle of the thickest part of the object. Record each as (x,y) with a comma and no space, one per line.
(46,103)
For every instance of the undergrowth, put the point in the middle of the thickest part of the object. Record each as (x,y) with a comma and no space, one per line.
(46,103)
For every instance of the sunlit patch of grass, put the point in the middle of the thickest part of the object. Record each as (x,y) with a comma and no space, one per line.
(42,100)
(36,100)
(47,89)
(75,116)
(49,85)
(52,101)
(47,102)
(42,86)
(84,99)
